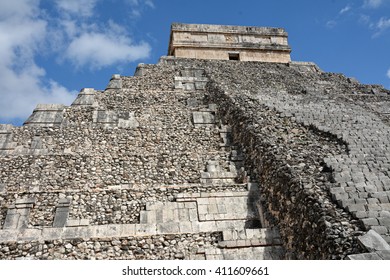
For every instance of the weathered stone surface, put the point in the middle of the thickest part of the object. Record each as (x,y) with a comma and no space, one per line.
(365,257)
(115,82)
(86,97)
(372,241)
(151,169)
(205,41)
(46,115)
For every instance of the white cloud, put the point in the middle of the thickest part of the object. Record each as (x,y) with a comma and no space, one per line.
(138,6)
(97,50)
(331,24)
(365,19)
(149,3)
(96,45)
(380,27)
(383,23)
(345,9)
(23,83)
(388,73)
(77,7)
(72,34)
(373,4)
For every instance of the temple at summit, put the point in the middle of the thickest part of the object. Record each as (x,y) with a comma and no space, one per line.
(224,149)
(203,41)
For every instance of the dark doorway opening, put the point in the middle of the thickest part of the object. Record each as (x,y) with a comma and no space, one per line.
(234,56)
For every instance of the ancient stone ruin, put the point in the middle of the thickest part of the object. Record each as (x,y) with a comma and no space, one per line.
(200,157)
(244,43)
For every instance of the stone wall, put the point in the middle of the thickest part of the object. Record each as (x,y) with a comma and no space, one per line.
(288,142)
(289,159)
(219,42)
(157,247)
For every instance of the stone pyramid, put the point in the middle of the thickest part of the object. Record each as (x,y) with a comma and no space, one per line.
(203,159)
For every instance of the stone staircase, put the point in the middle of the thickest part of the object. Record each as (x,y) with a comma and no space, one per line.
(232,213)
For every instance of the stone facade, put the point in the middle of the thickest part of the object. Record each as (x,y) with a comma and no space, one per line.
(202,159)
(245,43)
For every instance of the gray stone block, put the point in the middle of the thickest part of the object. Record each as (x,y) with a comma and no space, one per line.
(368,222)
(116,81)
(372,241)
(203,118)
(85,98)
(384,221)
(385,255)
(77,232)
(46,115)
(61,216)
(11,219)
(69,223)
(51,233)
(364,257)
(8,235)
(31,200)
(167,228)
(30,234)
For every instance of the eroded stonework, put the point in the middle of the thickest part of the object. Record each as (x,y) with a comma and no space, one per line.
(202,159)
(245,43)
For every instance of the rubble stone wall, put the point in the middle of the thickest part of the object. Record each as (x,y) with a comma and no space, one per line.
(283,128)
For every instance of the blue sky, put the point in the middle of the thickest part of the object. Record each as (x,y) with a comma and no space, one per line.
(50,49)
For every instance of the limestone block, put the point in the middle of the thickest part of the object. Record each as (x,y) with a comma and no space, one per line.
(78,232)
(86,97)
(146,229)
(145,216)
(61,216)
(116,81)
(372,241)
(68,223)
(18,214)
(46,115)
(105,117)
(128,229)
(6,143)
(365,256)
(208,226)
(51,233)
(168,227)
(73,222)
(185,227)
(191,83)
(8,235)
(140,71)
(385,255)
(112,230)
(12,218)
(203,117)
(30,234)
(110,119)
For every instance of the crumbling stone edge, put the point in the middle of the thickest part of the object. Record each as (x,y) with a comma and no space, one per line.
(377,248)
(321,233)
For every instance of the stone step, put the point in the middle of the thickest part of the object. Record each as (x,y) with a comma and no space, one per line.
(248,233)
(250,238)
(249,253)
(193,196)
(169,212)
